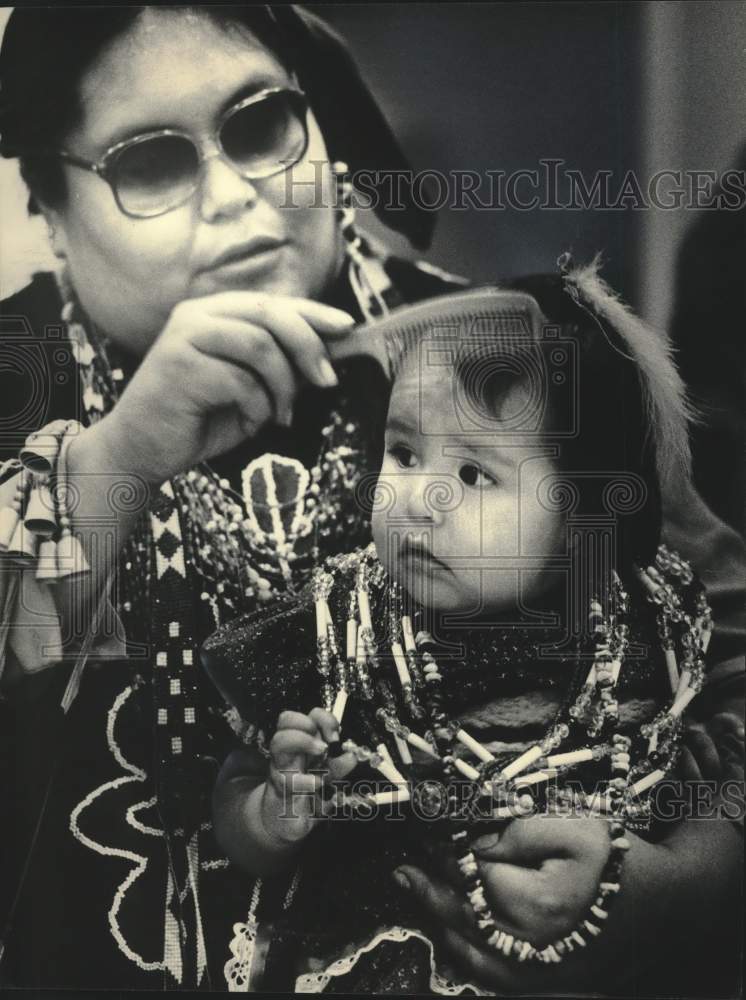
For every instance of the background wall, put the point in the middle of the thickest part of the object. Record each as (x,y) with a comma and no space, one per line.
(500,87)
(693,62)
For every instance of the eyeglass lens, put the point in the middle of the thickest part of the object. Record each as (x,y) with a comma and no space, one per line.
(160,172)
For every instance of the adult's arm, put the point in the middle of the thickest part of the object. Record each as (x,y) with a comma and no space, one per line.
(668,914)
(718,555)
(219,370)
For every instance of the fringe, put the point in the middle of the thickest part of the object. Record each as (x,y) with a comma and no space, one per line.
(669,412)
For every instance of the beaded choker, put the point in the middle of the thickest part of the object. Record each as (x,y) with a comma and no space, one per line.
(395,682)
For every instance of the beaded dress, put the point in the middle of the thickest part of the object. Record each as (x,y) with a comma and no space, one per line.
(336,921)
(111,843)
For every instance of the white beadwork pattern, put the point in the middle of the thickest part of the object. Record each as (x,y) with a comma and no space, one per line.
(140,861)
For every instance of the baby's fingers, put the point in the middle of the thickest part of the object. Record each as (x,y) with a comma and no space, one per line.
(325,723)
(289,747)
(295,788)
(340,767)
(297,720)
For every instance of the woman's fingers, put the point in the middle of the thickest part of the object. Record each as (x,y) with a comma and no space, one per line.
(482,965)
(727,731)
(464,944)
(441,902)
(455,918)
(253,348)
(520,898)
(725,724)
(297,325)
(326,319)
(238,399)
(210,384)
(704,751)
(540,872)
(232,360)
(687,768)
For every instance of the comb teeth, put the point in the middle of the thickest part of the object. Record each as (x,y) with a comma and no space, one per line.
(480,316)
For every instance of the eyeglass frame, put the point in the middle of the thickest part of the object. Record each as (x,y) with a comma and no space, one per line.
(103,167)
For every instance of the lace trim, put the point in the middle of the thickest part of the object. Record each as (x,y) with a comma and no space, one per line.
(316,982)
(237,969)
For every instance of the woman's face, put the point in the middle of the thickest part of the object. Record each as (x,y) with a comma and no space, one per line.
(179,70)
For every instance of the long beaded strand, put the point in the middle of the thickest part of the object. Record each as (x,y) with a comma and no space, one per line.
(510,786)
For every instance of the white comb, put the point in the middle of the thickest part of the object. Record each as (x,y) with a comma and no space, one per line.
(485,312)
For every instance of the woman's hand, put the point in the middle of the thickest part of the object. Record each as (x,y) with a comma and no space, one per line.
(221,368)
(289,805)
(670,911)
(712,750)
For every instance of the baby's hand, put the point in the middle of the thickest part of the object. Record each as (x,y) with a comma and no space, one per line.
(289,807)
(541,874)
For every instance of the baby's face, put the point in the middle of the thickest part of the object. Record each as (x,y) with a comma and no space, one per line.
(458,518)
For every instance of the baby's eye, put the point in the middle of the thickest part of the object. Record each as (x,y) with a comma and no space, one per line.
(474,475)
(402,455)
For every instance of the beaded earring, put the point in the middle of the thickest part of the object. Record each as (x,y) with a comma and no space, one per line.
(368,277)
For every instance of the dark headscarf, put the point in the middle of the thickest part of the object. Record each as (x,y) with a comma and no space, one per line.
(352,123)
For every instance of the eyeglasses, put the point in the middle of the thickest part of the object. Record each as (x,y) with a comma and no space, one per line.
(153,173)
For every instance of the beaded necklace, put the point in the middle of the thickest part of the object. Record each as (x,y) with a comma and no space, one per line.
(396,683)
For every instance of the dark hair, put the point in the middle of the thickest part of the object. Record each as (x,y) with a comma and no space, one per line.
(584,393)
(45,55)
(47,51)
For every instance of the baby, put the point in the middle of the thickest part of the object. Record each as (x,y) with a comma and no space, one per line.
(517,650)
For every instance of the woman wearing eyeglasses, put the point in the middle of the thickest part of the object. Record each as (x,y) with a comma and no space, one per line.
(188,164)
(193,167)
